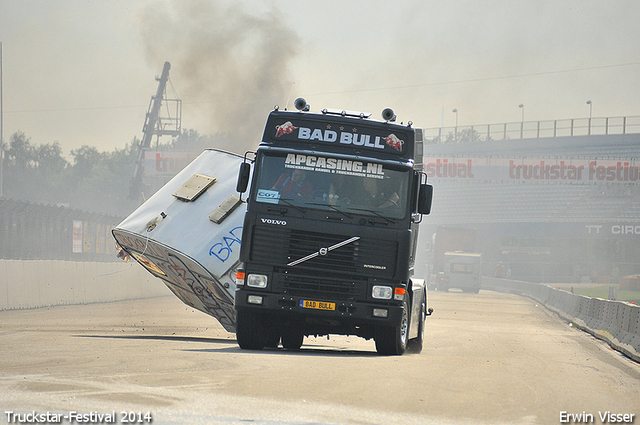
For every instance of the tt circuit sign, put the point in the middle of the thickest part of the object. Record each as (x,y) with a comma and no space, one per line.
(533,170)
(613,230)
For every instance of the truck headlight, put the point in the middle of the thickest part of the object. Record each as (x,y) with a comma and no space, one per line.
(257,281)
(381,292)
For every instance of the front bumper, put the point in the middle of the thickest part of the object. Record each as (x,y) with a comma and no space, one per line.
(345,312)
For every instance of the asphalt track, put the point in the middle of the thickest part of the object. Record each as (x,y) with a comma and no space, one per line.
(488,358)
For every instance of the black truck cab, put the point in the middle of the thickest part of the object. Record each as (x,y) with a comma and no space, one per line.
(330,232)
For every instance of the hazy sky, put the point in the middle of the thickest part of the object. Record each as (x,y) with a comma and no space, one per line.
(83,71)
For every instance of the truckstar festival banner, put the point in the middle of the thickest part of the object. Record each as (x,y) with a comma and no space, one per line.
(165,163)
(533,170)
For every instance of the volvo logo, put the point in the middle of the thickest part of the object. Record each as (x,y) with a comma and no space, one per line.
(272,221)
(323,251)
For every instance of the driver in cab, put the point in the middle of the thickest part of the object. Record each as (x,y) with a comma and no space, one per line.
(294,185)
(377,197)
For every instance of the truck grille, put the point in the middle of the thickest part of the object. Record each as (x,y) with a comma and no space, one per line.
(279,247)
(315,287)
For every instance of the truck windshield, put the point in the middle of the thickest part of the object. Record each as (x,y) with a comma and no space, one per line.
(332,183)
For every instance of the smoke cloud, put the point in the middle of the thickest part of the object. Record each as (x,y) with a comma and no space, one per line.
(230,67)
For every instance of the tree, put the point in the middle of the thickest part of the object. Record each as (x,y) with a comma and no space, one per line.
(49,173)
(18,168)
(463,135)
(84,159)
(20,153)
(94,181)
(100,179)
(49,158)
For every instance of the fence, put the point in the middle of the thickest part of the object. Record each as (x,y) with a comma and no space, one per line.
(533,129)
(43,232)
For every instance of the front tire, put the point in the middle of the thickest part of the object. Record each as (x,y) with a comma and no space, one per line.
(292,339)
(273,338)
(392,340)
(251,332)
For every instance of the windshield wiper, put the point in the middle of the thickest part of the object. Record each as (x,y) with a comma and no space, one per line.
(287,201)
(376,213)
(333,207)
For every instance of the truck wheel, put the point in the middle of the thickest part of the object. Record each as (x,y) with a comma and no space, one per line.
(392,340)
(251,332)
(292,339)
(273,338)
(415,345)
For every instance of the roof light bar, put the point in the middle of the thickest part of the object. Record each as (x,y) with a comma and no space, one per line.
(343,113)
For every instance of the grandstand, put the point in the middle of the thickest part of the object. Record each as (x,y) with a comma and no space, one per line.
(555,209)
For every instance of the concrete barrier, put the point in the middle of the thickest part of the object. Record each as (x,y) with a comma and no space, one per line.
(616,322)
(43,283)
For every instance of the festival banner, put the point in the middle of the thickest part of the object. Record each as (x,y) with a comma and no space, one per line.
(533,170)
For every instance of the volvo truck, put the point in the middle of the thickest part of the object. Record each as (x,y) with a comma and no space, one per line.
(330,231)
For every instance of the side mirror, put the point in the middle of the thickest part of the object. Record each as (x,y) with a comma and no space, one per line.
(424,199)
(243,177)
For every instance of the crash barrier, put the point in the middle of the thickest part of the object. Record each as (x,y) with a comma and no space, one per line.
(45,232)
(616,322)
(43,283)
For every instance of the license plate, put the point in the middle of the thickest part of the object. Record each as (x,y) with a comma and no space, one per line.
(318,305)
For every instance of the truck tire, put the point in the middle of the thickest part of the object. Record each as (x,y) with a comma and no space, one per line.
(292,339)
(392,340)
(251,332)
(273,338)
(414,345)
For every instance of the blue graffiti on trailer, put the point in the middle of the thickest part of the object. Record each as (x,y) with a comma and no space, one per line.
(222,250)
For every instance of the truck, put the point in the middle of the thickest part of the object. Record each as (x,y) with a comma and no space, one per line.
(461,271)
(330,231)
(447,239)
(329,250)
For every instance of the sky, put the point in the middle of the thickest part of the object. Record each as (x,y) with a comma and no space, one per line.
(82,72)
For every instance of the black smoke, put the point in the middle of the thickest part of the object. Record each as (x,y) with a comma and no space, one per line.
(229,65)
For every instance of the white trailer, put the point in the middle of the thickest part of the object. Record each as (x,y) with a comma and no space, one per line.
(188,234)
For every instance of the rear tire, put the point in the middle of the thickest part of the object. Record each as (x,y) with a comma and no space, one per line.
(251,332)
(392,340)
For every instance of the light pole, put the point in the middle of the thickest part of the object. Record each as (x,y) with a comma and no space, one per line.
(590,110)
(521,106)
(455,111)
